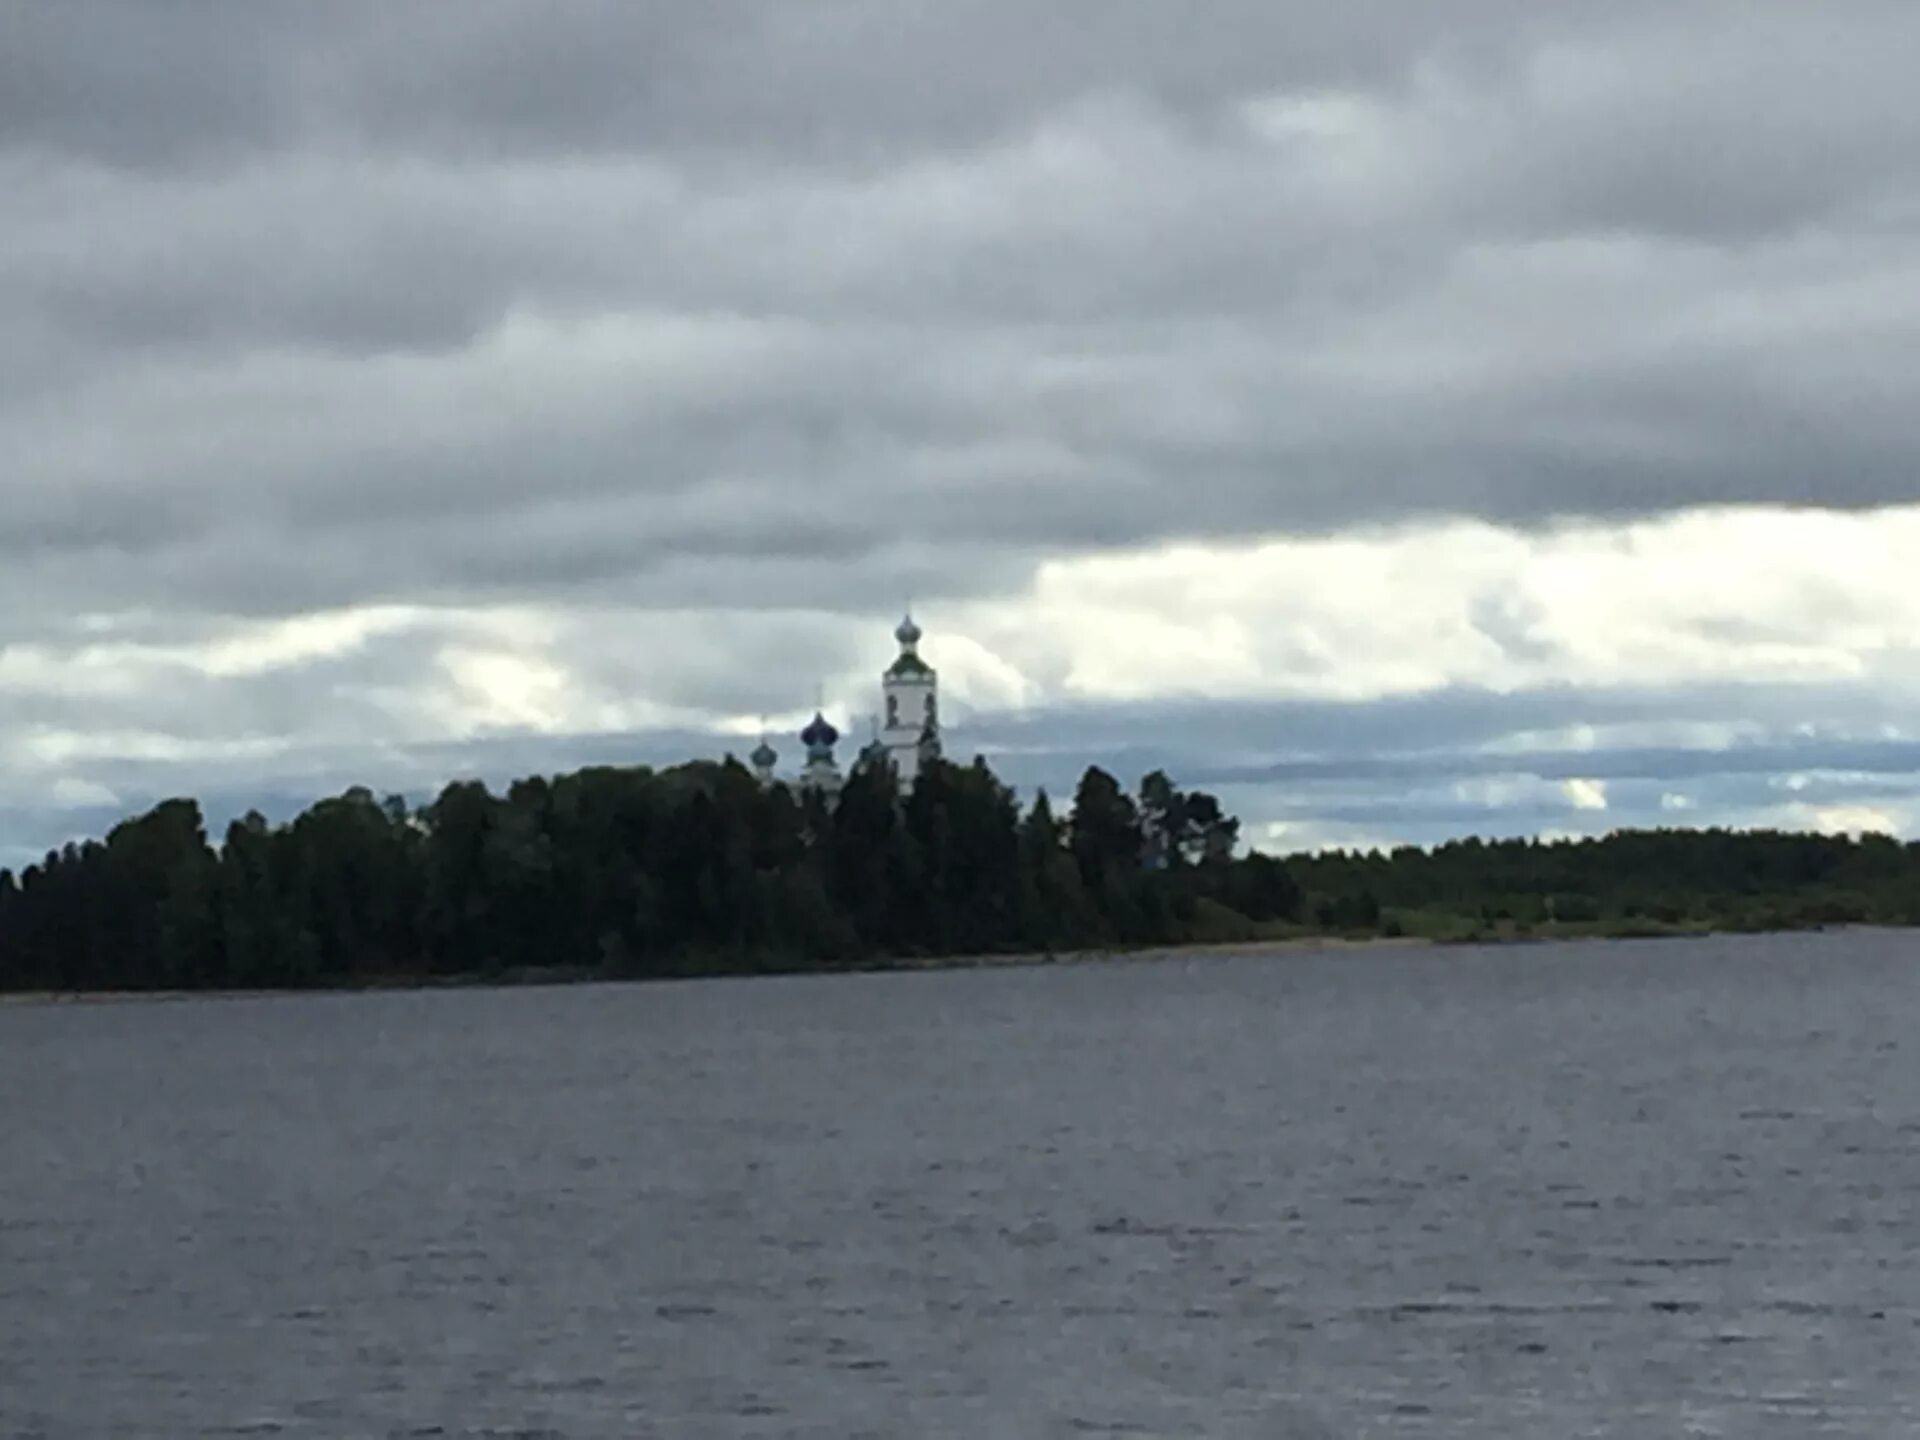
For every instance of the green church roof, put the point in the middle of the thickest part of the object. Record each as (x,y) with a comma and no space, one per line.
(909,664)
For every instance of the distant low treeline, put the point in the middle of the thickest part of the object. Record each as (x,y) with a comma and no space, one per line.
(700,869)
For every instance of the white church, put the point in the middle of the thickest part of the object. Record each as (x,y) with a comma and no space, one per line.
(906,732)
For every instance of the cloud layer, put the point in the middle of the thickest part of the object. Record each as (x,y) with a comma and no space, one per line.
(383,383)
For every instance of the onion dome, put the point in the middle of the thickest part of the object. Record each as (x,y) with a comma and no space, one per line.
(764,756)
(908,665)
(819,734)
(875,750)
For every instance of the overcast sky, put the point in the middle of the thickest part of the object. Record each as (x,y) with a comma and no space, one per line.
(1409,419)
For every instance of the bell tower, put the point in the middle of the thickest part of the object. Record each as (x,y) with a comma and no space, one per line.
(910,723)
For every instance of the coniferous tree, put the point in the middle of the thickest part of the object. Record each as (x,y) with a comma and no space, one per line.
(1104,830)
(640,872)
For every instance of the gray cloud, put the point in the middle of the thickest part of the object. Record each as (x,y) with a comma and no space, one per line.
(744,278)
(747,308)
(1393,731)
(1418,769)
(846,81)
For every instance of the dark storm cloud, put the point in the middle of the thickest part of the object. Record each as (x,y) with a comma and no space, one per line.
(291,289)
(843,79)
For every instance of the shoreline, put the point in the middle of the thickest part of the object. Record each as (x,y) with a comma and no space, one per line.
(1281,945)
(558,975)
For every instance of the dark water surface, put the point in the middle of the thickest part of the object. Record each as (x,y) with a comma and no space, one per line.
(1635,1190)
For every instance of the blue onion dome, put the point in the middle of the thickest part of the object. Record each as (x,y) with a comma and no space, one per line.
(764,756)
(908,633)
(820,734)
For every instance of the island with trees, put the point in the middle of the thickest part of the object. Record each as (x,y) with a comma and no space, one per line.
(704,869)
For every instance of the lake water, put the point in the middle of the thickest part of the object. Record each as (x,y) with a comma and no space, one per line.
(1641,1190)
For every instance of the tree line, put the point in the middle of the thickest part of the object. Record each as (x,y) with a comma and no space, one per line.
(700,869)
(1630,882)
(629,872)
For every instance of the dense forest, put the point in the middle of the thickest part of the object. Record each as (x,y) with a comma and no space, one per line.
(700,869)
